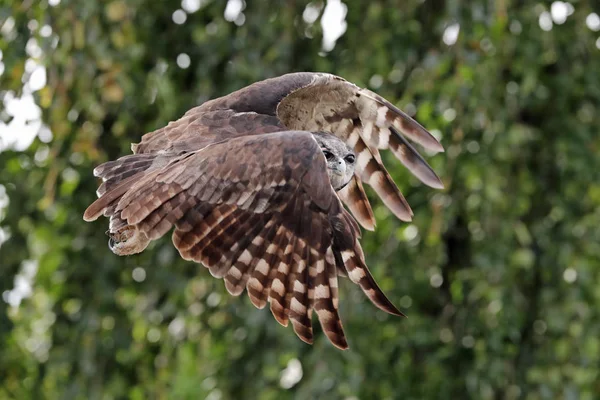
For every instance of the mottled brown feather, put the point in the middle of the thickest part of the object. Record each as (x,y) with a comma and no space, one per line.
(355,198)
(372,173)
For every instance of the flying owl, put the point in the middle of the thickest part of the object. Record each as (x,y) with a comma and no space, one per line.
(253,184)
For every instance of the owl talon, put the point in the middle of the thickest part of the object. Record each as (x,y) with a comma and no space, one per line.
(127,240)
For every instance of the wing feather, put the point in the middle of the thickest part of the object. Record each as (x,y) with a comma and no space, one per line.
(114,172)
(229,243)
(256,251)
(281,290)
(402,121)
(205,232)
(300,301)
(375,175)
(321,261)
(354,196)
(360,274)
(260,279)
(242,257)
(191,229)
(326,300)
(412,160)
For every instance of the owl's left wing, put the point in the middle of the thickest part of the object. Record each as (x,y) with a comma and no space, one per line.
(259,212)
(308,101)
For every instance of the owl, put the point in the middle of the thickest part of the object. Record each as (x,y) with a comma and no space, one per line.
(253,186)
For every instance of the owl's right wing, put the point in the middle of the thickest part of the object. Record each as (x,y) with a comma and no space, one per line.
(259,212)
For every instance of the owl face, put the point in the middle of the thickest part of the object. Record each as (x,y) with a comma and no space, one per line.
(340,159)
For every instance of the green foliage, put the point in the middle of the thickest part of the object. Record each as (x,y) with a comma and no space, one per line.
(498,273)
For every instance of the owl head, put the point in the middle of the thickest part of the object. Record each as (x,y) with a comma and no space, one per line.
(340,159)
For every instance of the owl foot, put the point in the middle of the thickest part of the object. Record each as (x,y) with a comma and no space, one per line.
(127,240)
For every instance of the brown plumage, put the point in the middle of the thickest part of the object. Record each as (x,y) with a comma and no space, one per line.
(245,186)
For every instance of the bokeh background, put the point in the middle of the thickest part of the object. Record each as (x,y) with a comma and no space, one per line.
(499,273)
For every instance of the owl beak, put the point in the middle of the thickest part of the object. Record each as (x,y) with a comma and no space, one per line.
(339,168)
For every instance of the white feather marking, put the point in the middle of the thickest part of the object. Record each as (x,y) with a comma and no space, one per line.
(299,287)
(296,306)
(356,274)
(384,138)
(283,268)
(322,292)
(255,284)
(367,130)
(235,273)
(381,113)
(272,249)
(262,267)
(245,257)
(277,287)
(333,282)
(320,266)
(301,266)
(353,138)
(363,158)
(376,178)
(346,255)
(325,315)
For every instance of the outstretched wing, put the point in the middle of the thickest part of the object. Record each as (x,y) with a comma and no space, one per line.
(257,211)
(311,102)
(368,123)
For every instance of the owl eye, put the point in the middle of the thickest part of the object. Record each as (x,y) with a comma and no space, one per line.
(328,155)
(350,158)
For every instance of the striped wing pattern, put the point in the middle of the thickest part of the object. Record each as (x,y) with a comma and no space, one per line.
(270,225)
(243,185)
